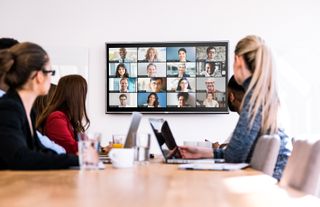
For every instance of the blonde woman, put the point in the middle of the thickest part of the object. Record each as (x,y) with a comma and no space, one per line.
(253,69)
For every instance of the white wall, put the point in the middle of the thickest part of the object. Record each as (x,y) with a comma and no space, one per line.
(291,27)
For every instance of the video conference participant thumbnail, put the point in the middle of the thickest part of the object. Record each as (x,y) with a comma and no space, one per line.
(181,54)
(123,85)
(152,70)
(123,55)
(123,99)
(151,54)
(181,99)
(152,100)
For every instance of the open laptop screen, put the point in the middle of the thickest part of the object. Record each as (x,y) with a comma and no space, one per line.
(168,146)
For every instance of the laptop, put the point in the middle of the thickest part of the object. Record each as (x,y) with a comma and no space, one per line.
(133,128)
(168,145)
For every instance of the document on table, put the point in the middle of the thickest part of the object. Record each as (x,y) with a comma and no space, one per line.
(216,166)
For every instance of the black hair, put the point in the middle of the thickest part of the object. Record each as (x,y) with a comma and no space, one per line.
(6,43)
(232,84)
(182,49)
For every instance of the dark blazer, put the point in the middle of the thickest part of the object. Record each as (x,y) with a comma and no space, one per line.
(19,150)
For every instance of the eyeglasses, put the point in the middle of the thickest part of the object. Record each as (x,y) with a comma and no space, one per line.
(53,72)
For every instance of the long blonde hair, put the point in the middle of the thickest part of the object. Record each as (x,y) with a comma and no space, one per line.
(259,60)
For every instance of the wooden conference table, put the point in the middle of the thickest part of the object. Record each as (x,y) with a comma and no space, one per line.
(156,184)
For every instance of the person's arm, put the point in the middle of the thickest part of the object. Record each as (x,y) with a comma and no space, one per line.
(195,152)
(15,153)
(243,137)
(45,141)
(58,128)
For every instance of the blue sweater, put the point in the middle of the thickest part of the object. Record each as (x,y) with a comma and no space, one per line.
(244,138)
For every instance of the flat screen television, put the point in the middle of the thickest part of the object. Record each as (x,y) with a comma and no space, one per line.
(172,77)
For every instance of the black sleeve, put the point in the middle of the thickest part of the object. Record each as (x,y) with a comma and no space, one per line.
(14,150)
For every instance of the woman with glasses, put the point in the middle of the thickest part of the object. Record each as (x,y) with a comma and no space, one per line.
(27,72)
(65,117)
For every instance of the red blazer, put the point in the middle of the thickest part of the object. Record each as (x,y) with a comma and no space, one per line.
(59,129)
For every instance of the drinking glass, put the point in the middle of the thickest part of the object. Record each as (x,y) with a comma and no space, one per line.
(88,147)
(141,147)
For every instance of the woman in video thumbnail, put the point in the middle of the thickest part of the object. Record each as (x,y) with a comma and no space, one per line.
(153,101)
(122,71)
(151,55)
(209,101)
(184,85)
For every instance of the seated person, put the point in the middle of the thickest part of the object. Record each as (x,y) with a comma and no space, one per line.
(27,78)
(39,104)
(65,117)
(210,101)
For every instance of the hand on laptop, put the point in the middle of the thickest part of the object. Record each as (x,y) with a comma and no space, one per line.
(195,152)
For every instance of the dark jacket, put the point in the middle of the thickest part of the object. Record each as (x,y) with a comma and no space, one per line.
(19,150)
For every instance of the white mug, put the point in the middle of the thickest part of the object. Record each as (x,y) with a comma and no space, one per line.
(122,158)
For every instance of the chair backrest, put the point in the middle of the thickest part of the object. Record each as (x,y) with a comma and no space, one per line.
(265,153)
(302,171)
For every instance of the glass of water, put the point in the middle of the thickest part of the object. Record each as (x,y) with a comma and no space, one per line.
(88,147)
(141,147)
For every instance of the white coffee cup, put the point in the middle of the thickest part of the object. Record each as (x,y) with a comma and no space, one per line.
(122,157)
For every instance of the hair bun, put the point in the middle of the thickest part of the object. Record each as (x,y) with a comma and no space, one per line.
(6,60)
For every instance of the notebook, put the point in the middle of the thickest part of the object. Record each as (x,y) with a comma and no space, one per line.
(168,145)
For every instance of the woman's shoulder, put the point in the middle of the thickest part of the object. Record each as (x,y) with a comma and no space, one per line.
(57,114)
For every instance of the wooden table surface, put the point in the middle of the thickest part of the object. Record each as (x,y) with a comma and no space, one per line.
(155,184)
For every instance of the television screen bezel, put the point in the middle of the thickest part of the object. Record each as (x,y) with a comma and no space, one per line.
(170,110)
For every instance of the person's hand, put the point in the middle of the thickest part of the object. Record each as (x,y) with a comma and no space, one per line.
(195,152)
(215,145)
(106,149)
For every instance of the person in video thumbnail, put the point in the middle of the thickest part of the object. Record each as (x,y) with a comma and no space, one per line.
(151,55)
(123,55)
(124,86)
(156,84)
(182,53)
(151,70)
(182,99)
(210,101)
(153,100)
(182,71)
(183,85)
(208,70)
(210,86)
(211,53)
(123,100)
(121,71)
